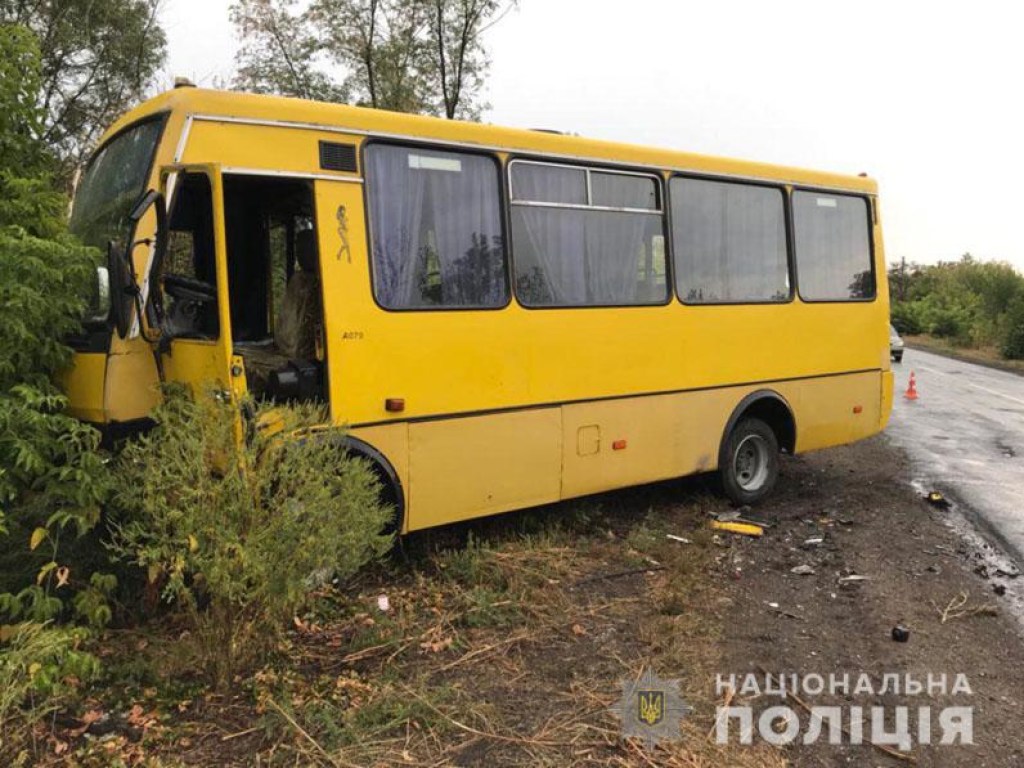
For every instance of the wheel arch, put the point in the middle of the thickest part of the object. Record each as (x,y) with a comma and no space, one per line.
(394,493)
(771,408)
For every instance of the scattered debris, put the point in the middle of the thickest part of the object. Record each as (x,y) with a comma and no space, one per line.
(620,574)
(788,615)
(383,604)
(814,541)
(958,608)
(802,570)
(680,539)
(742,515)
(744,529)
(936,499)
(776,608)
(852,579)
(900,634)
(731,516)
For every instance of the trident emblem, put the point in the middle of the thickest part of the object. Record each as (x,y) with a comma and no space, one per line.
(651,706)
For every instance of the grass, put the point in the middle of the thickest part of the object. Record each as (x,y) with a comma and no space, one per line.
(988,356)
(505,643)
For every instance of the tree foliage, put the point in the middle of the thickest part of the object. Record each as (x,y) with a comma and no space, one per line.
(280,52)
(20,84)
(27,196)
(423,56)
(971,302)
(97,57)
(51,476)
(52,479)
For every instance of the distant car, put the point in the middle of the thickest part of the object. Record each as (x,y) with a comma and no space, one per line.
(895,345)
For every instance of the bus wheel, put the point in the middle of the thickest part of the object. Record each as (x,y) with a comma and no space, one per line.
(749,463)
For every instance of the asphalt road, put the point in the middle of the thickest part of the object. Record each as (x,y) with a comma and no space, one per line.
(965,435)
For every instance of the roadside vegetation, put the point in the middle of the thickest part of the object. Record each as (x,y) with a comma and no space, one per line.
(163,560)
(966,305)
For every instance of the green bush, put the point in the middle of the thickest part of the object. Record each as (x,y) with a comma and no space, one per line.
(1012,347)
(39,669)
(948,322)
(52,478)
(971,302)
(238,535)
(948,314)
(906,317)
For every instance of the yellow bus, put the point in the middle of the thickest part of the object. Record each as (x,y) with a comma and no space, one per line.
(501,318)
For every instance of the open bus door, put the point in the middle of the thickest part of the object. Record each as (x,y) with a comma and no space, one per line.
(183,296)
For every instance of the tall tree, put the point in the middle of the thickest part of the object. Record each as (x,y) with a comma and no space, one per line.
(50,475)
(19,91)
(280,52)
(424,56)
(27,196)
(457,57)
(381,46)
(98,57)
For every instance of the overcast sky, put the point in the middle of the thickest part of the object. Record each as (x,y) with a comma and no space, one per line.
(926,97)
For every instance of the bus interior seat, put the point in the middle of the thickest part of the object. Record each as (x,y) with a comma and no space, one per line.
(296,327)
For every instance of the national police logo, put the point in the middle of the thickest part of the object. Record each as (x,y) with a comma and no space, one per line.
(651,709)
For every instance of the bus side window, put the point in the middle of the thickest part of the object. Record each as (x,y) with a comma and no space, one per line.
(730,241)
(435,229)
(832,233)
(585,237)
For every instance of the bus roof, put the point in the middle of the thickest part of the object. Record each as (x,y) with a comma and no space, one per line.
(305,113)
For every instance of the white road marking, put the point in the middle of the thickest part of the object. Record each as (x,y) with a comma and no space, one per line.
(975,386)
(996,393)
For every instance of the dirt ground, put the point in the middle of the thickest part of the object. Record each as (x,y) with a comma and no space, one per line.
(506,641)
(916,562)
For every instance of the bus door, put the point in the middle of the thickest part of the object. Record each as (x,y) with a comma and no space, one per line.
(189,294)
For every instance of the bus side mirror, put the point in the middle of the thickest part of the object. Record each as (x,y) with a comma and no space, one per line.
(124,291)
(121,287)
(98,310)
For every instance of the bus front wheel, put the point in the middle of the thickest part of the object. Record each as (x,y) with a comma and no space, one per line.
(749,463)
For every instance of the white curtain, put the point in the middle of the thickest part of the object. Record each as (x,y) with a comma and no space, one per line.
(551,269)
(465,214)
(396,194)
(427,204)
(579,257)
(615,242)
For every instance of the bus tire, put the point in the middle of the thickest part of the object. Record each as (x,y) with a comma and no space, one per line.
(749,463)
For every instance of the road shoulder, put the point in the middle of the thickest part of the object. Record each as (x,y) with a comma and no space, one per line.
(977,357)
(918,572)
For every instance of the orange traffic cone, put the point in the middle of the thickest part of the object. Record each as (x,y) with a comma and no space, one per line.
(911,393)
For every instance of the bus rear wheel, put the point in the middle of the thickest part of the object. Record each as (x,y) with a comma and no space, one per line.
(749,463)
